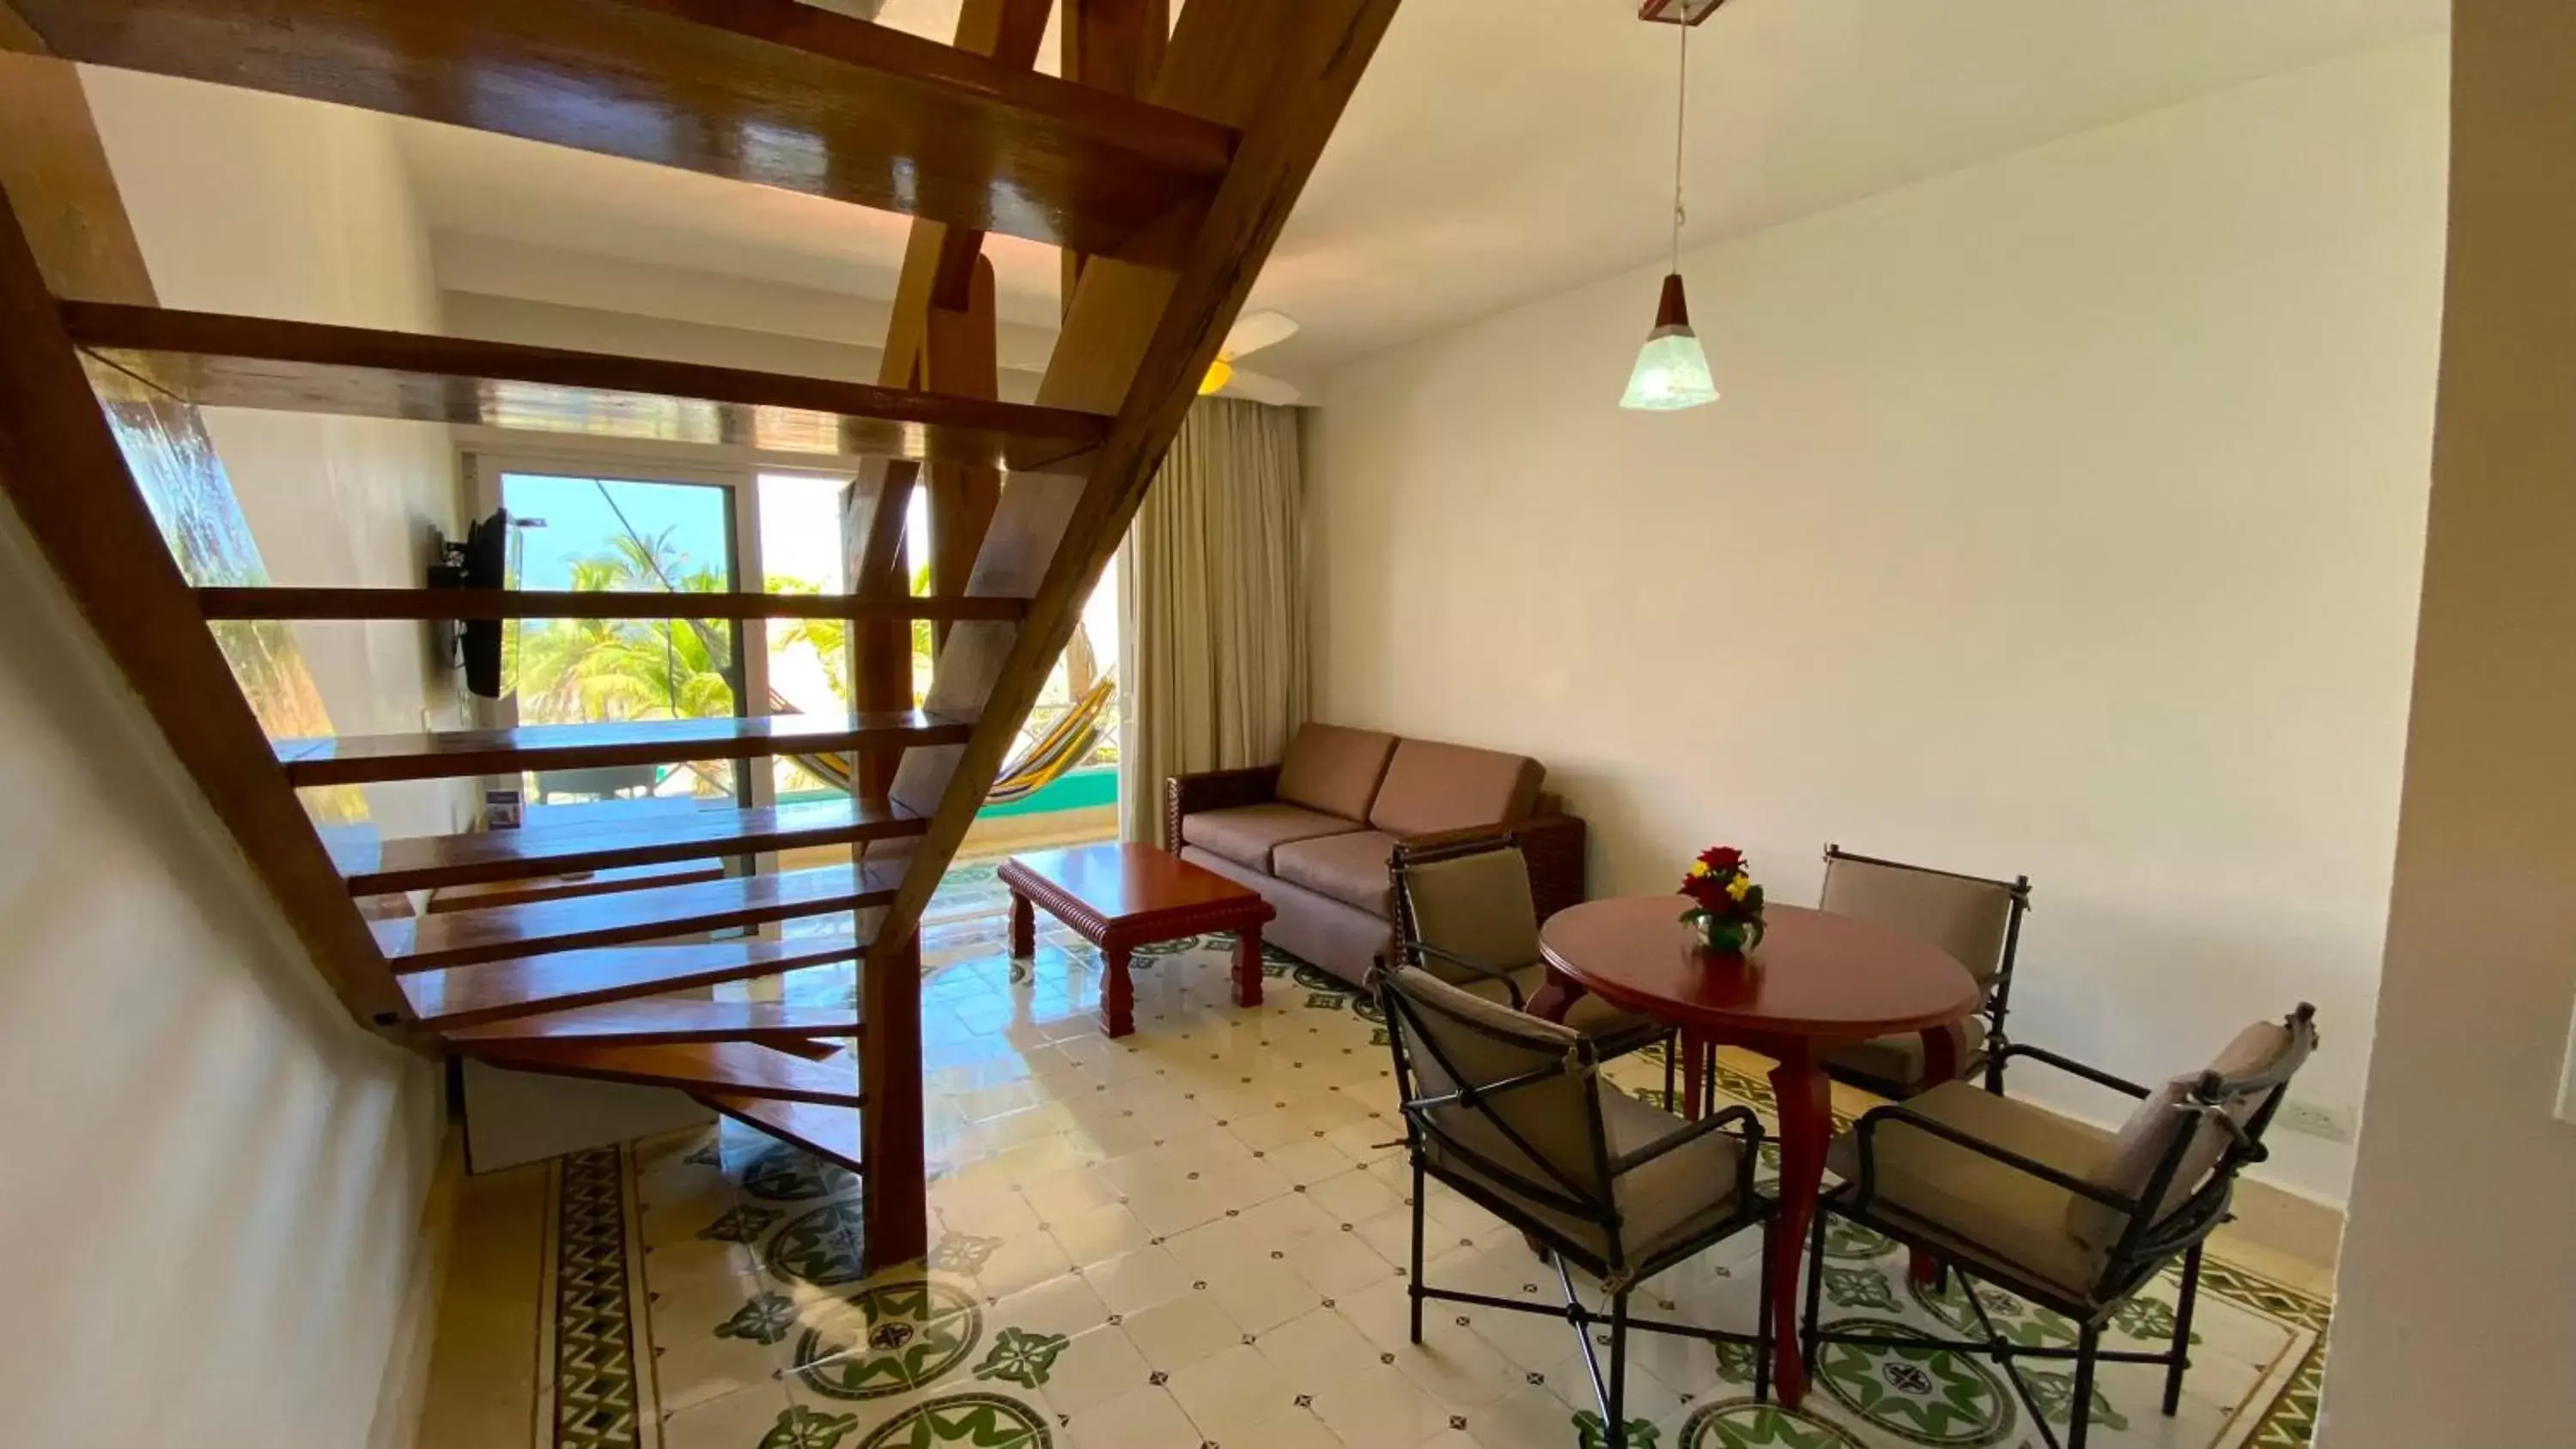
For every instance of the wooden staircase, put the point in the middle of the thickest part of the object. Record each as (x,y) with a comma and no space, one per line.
(1163,163)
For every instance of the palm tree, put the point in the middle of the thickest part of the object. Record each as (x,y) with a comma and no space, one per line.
(570,670)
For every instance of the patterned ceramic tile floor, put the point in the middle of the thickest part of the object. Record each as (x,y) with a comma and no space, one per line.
(1193,1237)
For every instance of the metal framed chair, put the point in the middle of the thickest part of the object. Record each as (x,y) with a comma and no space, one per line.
(1465,914)
(1975,918)
(1509,1110)
(2068,1216)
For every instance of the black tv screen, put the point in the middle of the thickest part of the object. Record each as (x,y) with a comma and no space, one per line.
(484,565)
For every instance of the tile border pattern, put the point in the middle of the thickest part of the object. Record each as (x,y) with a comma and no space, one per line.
(597,1401)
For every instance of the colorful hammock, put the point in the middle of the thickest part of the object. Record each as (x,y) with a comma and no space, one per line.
(1045,760)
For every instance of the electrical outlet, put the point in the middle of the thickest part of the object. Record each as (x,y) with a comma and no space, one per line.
(2315,1119)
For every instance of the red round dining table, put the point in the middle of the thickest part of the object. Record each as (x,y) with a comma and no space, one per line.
(1817,981)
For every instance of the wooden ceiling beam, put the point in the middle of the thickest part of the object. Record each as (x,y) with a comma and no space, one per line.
(768,91)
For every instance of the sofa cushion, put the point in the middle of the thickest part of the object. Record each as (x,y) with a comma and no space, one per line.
(1246,834)
(1450,787)
(1349,868)
(1333,769)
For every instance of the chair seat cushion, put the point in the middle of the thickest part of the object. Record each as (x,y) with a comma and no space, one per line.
(1246,834)
(1678,1197)
(1987,1210)
(1349,868)
(1612,1031)
(1898,1060)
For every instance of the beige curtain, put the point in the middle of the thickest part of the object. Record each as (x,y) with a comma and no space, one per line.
(1211,607)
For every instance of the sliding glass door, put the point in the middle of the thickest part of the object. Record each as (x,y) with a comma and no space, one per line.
(622,535)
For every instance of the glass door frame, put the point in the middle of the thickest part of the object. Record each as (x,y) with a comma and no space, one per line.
(484,464)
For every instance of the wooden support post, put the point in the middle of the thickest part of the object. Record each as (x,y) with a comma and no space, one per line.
(1137,340)
(943,268)
(895,1213)
(880,668)
(958,357)
(1111,45)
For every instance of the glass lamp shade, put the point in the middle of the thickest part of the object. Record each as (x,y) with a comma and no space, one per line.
(1219,373)
(1672,371)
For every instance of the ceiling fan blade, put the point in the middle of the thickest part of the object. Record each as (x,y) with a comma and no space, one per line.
(1256,330)
(1261,389)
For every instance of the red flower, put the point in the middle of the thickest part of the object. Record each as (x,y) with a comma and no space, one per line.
(1722,859)
(1708,890)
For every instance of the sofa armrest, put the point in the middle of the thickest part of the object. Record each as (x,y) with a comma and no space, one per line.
(1213,790)
(1552,844)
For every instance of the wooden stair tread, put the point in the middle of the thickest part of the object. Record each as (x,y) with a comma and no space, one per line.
(565,887)
(277,602)
(215,360)
(831,1133)
(463,996)
(766,91)
(736,1068)
(571,841)
(366,759)
(646,1020)
(457,938)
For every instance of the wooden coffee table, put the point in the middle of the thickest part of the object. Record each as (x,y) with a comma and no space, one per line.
(1122,895)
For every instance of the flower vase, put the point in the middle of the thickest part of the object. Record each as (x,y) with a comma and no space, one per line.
(1723,938)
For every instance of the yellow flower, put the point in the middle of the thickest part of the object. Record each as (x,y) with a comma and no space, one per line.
(1698,868)
(1736,888)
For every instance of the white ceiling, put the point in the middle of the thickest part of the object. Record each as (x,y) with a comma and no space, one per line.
(1501,150)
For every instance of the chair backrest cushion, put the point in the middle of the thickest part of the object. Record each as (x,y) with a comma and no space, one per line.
(1432,787)
(2149,1133)
(1453,1040)
(1967,918)
(1334,769)
(1475,906)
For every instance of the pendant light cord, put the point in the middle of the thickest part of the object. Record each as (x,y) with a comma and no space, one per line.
(1681,116)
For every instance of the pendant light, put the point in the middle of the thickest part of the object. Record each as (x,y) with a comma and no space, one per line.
(1672,370)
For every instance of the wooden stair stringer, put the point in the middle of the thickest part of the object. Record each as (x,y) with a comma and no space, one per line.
(65,466)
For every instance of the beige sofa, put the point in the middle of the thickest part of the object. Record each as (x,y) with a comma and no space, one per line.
(1313,832)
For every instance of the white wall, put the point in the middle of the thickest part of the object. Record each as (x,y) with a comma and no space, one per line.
(272,207)
(2062,516)
(209,1210)
(2453,1325)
